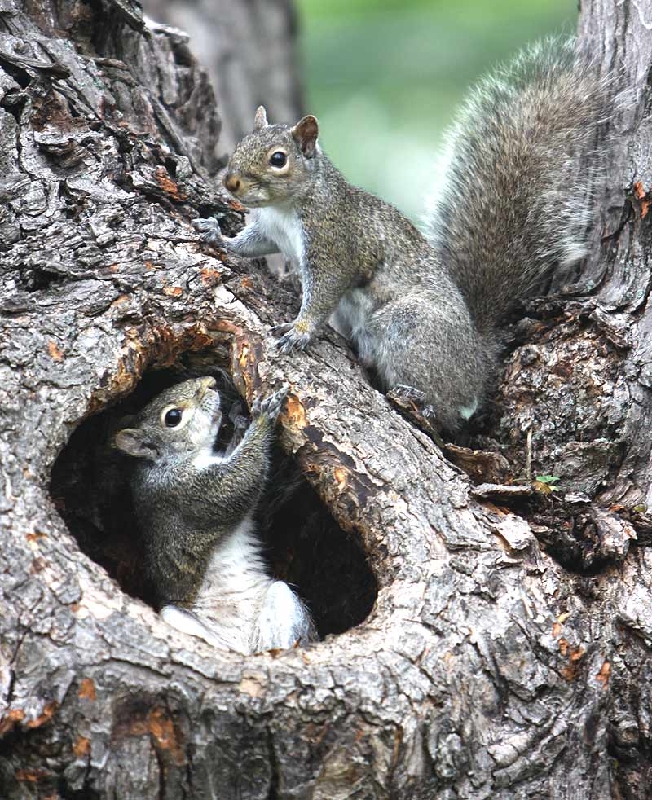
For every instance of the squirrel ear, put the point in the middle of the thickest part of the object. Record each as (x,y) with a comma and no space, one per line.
(260,120)
(305,132)
(131,442)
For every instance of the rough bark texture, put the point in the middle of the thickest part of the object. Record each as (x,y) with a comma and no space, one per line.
(487,668)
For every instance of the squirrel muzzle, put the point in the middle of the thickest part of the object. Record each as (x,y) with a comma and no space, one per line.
(233,182)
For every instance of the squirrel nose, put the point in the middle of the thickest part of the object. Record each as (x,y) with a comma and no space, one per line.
(232,181)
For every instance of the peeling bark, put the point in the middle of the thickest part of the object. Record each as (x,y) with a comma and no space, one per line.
(487,668)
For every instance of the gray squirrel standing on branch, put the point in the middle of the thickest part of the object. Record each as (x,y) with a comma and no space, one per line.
(425,311)
(195,508)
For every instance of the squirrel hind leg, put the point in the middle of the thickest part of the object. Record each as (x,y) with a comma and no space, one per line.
(413,404)
(428,343)
(283,621)
(187,622)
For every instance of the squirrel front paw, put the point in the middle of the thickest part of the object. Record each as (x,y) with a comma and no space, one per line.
(271,405)
(291,337)
(209,230)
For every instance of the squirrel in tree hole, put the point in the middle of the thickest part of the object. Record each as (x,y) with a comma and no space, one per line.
(195,506)
(425,311)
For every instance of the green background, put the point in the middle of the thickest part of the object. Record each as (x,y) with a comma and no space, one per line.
(384,78)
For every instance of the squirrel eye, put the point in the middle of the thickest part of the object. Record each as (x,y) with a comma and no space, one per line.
(173,417)
(278,159)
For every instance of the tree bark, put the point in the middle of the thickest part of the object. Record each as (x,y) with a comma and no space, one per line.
(250,51)
(488,667)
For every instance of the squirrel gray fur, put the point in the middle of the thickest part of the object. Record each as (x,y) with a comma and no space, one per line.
(425,310)
(195,508)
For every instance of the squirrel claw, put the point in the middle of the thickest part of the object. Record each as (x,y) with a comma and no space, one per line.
(209,230)
(290,338)
(271,405)
(278,330)
(409,393)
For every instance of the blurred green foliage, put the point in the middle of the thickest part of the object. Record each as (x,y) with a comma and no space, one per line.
(384,77)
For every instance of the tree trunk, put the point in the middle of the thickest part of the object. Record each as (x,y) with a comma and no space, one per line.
(505,656)
(249,49)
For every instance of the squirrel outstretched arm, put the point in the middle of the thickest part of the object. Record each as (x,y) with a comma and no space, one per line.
(224,488)
(195,508)
(425,311)
(250,242)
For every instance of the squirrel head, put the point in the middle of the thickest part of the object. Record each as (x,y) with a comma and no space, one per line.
(274,163)
(180,420)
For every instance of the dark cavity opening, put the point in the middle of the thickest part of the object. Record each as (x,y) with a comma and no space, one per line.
(303,543)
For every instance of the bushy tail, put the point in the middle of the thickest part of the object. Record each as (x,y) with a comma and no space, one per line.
(521,168)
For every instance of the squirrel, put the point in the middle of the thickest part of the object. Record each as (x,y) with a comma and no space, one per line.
(195,508)
(425,310)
